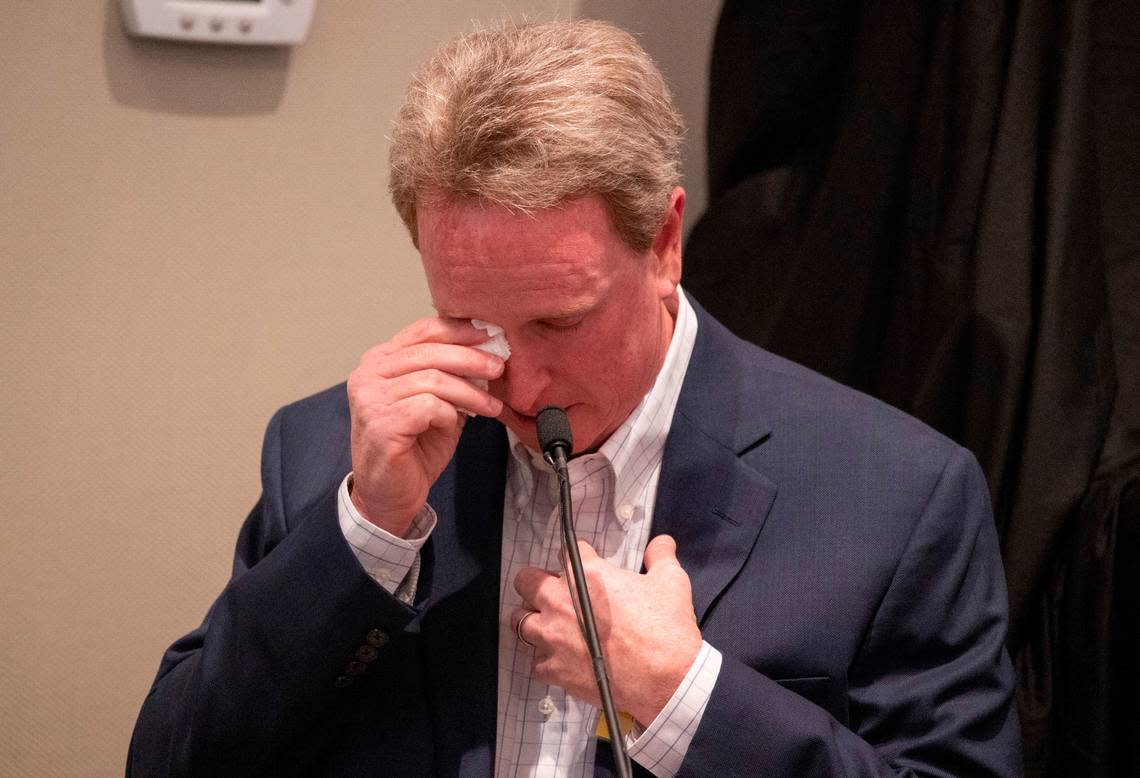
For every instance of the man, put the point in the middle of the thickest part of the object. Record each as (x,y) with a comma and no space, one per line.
(822,592)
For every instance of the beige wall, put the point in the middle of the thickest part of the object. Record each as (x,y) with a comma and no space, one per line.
(189,237)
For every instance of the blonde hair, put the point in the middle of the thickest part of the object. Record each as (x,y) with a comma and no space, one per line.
(529,116)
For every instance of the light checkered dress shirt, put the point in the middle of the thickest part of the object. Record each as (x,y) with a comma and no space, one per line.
(542,731)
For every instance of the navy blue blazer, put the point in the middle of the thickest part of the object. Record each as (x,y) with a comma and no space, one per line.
(842,555)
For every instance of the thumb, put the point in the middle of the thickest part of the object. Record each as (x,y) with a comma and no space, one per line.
(661,551)
(586,551)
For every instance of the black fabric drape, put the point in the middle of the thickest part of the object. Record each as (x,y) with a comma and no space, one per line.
(937,203)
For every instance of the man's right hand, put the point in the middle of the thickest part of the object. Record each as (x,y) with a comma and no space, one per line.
(406,399)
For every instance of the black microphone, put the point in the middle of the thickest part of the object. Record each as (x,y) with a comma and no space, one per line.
(553,427)
(557,443)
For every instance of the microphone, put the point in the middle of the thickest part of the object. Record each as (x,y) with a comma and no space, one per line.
(553,429)
(557,443)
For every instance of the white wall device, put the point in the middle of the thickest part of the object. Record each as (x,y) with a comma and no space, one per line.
(265,22)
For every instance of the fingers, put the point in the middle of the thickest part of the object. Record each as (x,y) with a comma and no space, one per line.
(454,358)
(586,552)
(524,626)
(661,550)
(534,585)
(457,391)
(405,399)
(417,414)
(431,356)
(439,329)
(646,625)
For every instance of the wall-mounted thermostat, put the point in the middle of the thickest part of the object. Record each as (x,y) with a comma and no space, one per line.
(266,22)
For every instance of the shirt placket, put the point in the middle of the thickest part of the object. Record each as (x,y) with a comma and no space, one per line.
(543,721)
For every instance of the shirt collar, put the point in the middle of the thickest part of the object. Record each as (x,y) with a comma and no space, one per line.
(637,445)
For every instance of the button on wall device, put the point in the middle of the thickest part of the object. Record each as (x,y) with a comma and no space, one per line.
(186,23)
(217,25)
(246,26)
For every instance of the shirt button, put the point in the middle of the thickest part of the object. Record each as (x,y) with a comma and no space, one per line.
(384,573)
(546,706)
(625,511)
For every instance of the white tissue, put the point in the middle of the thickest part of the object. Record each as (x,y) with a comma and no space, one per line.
(497,345)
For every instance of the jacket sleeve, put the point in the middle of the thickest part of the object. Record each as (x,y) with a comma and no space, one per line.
(931,690)
(262,685)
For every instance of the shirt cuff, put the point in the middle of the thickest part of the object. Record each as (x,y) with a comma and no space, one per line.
(390,561)
(661,748)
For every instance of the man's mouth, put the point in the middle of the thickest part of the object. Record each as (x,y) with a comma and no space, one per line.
(528,419)
(525,418)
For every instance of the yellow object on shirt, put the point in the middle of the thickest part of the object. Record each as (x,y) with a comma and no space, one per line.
(625,723)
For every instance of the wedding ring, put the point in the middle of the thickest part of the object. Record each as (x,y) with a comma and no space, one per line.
(518,628)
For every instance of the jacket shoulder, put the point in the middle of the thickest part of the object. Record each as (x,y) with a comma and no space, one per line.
(306,451)
(786,404)
(812,399)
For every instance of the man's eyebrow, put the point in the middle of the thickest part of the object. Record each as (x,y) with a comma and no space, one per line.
(573,309)
(570,311)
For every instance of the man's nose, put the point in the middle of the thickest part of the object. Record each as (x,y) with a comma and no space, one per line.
(524,382)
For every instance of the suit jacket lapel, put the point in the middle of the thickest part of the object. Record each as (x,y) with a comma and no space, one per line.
(711,502)
(460,628)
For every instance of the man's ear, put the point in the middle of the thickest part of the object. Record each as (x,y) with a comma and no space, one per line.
(666,246)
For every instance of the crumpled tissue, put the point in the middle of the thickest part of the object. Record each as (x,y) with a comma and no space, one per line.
(497,345)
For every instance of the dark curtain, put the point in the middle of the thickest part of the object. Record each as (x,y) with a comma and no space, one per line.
(939,204)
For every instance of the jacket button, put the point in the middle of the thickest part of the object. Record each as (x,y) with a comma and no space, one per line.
(343,681)
(356,668)
(367,653)
(377,638)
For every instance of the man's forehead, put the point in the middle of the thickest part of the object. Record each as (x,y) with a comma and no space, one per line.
(542,273)
(526,296)
(550,263)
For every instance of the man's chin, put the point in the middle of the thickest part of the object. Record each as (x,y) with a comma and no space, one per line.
(523,426)
(525,430)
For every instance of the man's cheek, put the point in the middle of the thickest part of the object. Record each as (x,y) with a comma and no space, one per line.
(582,353)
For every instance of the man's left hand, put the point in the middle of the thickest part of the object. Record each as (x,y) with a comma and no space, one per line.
(646,626)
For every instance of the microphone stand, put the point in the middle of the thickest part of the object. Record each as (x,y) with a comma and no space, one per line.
(555,454)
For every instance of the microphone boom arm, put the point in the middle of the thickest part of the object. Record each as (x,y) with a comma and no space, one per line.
(555,449)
